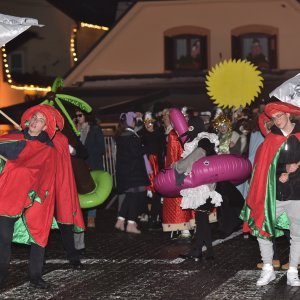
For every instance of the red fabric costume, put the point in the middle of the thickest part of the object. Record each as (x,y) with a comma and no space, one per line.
(153,160)
(27,190)
(67,206)
(174,217)
(38,181)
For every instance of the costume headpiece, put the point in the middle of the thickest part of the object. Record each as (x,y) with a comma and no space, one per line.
(221,120)
(279,106)
(205,113)
(128,118)
(148,117)
(53,118)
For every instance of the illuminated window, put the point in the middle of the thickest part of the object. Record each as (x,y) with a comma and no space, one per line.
(186,52)
(258,48)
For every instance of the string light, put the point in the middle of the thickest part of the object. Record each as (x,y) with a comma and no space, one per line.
(82,24)
(73,56)
(72,45)
(73,39)
(31,88)
(19,87)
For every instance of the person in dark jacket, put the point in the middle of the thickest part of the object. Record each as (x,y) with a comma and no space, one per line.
(131,172)
(91,136)
(154,142)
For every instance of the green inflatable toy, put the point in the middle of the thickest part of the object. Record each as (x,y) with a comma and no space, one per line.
(103,182)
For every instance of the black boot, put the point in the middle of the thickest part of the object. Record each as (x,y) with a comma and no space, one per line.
(209,255)
(39,283)
(36,263)
(195,254)
(76,264)
(3,274)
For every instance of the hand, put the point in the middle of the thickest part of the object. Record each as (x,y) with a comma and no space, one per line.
(72,150)
(284,177)
(149,194)
(290,168)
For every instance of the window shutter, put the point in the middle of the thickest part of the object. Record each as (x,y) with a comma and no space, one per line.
(273,52)
(236,47)
(169,53)
(204,53)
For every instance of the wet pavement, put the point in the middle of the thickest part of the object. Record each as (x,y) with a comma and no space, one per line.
(125,266)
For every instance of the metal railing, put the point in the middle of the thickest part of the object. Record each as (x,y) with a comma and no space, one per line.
(109,158)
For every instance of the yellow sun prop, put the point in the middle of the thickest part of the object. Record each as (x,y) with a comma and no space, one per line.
(233,83)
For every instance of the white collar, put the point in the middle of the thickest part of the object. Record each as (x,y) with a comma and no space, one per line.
(131,130)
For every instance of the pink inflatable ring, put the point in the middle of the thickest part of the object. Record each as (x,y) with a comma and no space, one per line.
(215,168)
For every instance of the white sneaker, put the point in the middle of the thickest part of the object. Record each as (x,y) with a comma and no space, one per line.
(266,276)
(292,277)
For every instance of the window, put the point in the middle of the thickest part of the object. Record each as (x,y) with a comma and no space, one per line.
(186,52)
(16,62)
(258,48)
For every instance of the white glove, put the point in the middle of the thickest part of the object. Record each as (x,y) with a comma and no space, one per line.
(149,194)
(72,150)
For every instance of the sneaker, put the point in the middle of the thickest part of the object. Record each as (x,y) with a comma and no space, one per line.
(292,277)
(266,276)
(185,234)
(275,263)
(120,225)
(132,228)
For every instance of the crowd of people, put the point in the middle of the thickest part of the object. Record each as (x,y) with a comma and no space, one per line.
(260,134)
(146,142)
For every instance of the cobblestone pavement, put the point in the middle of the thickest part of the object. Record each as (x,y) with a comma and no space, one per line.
(123,266)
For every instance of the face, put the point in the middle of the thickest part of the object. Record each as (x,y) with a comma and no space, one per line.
(37,124)
(149,126)
(281,120)
(223,129)
(80,117)
(166,120)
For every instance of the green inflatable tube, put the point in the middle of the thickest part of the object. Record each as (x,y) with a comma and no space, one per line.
(103,181)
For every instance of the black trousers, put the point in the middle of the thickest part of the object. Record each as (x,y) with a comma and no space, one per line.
(156,207)
(203,234)
(37,252)
(130,206)
(67,236)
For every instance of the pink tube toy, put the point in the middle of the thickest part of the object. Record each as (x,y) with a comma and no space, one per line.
(215,168)
(178,122)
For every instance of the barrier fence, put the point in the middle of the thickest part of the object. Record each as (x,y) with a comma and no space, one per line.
(109,158)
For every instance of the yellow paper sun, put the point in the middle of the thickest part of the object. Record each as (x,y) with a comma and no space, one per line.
(233,83)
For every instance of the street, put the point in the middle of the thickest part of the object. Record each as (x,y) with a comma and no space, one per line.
(125,266)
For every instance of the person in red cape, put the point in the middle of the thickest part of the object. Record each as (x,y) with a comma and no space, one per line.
(27,185)
(273,202)
(68,213)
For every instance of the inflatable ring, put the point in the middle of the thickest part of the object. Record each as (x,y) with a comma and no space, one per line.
(215,168)
(209,169)
(103,181)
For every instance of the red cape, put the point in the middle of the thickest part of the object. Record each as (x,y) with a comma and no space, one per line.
(256,221)
(67,206)
(27,190)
